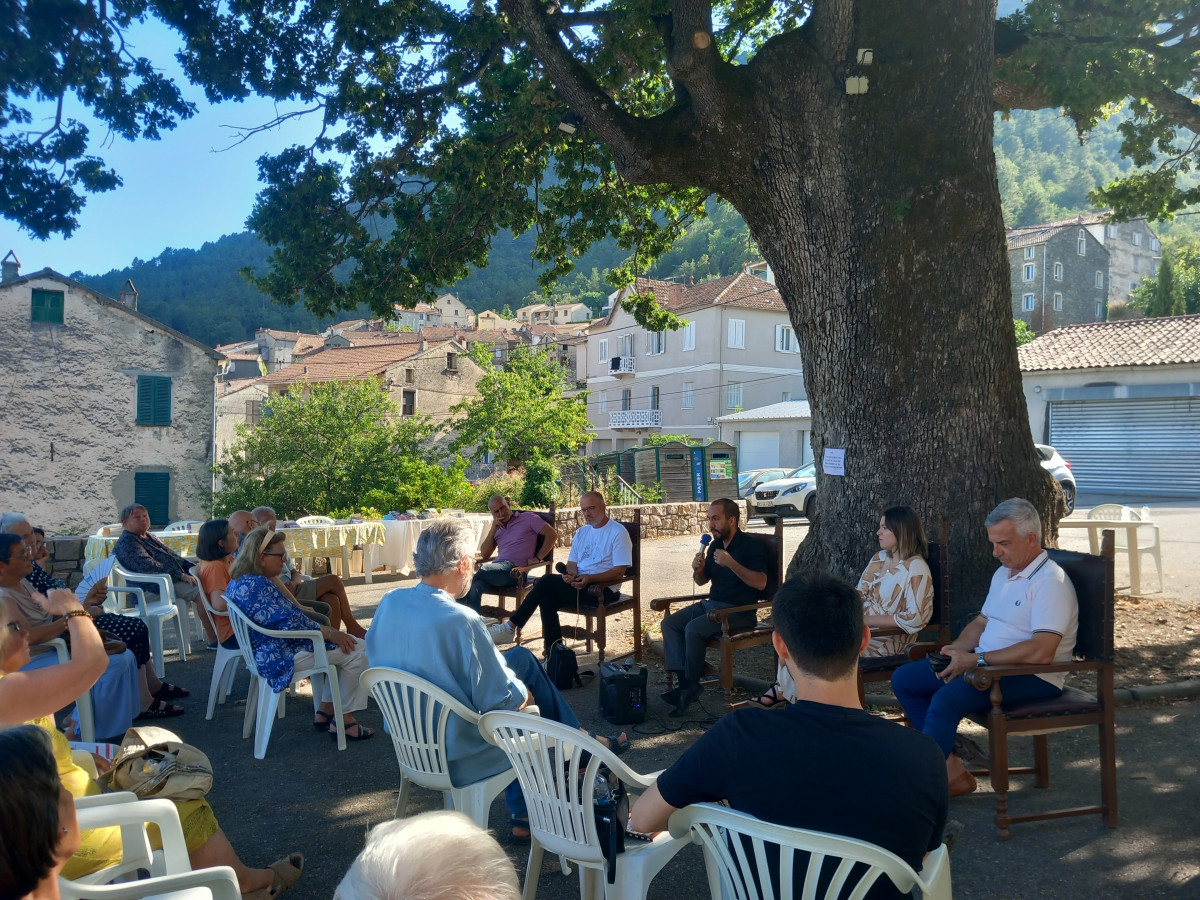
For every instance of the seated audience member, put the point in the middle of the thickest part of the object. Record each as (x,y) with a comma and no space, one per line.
(32,696)
(115,698)
(326,594)
(896,589)
(1030,616)
(243,523)
(253,590)
(518,539)
(600,552)
(440,855)
(138,551)
(33,797)
(216,545)
(736,564)
(129,630)
(35,539)
(423,631)
(838,755)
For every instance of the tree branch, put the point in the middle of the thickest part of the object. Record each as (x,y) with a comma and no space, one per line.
(1179,107)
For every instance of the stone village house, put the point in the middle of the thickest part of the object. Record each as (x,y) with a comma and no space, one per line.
(106,407)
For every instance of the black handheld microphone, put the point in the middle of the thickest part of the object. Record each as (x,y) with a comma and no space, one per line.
(561,568)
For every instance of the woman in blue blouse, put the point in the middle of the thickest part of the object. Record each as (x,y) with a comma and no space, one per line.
(255,590)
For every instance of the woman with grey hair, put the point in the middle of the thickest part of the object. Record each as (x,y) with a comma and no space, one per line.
(439,855)
(424,631)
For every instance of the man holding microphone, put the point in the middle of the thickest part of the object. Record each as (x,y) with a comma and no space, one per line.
(736,564)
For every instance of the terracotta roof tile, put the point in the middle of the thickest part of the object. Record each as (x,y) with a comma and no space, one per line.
(342,363)
(376,338)
(1126,342)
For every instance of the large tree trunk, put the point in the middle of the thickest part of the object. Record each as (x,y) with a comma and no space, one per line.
(880,215)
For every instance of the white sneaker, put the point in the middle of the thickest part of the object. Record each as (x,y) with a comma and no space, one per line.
(502,634)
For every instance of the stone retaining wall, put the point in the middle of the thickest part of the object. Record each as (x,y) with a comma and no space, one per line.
(658,520)
(66,559)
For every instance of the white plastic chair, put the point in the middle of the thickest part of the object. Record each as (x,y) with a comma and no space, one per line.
(1111,511)
(1148,540)
(314,520)
(84,711)
(153,612)
(417,714)
(113,530)
(224,666)
(186,526)
(547,757)
(737,848)
(262,703)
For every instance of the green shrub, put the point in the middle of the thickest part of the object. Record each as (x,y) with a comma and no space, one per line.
(541,483)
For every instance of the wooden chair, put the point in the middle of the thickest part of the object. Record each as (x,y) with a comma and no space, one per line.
(935,635)
(730,639)
(1092,577)
(524,585)
(596,613)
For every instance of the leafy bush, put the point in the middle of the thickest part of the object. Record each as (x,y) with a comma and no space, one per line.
(541,483)
(506,484)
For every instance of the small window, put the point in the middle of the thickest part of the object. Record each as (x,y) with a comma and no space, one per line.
(1058,301)
(410,376)
(47,306)
(452,362)
(656,343)
(1133,285)
(689,388)
(1058,276)
(785,339)
(1137,264)
(626,399)
(733,395)
(627,345)
(1099,310)
(1099,279)
(153,400)
(1031,252)
(1028,302)
(1081,242)
(787,395)
(1110,230)
(408,403)
(1030,272)
(153,491)
(602,402)
(1155,244)
(655,396)
(253,411)
(737,333)
(603,345)
(1136,237)
(689,336)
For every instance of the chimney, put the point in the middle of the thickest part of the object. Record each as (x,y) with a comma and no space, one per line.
(11,268)
(424,345)
(129,294)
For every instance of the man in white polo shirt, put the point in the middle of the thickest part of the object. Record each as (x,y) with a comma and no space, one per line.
(1030,616)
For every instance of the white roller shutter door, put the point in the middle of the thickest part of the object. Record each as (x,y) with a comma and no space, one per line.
(758,450)
(1143,447)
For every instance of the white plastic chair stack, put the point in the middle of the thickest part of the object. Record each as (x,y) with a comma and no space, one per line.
(262,703)
(170,868)
(153,612)
(548,758)
(741,853)
(224,666)
(185,527)
(417,714)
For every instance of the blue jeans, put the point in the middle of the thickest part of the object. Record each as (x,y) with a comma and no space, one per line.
(552,704)
(935,707)
(495,573)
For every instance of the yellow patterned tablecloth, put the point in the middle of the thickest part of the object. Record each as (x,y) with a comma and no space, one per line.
(303,542)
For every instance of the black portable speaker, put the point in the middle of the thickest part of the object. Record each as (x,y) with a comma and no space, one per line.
(622,693)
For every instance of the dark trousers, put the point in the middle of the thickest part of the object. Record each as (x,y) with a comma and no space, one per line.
(548,596)
(687,632)
(495,573)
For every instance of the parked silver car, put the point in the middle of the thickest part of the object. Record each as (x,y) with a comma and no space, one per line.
(752,478)
(1061,470)
(793,496)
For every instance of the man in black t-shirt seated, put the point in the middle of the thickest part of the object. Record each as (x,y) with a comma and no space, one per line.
(822,763)
(736,564)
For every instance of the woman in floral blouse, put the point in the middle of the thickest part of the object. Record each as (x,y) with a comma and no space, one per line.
(255,590)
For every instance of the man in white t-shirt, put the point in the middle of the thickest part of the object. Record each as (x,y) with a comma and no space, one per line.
(601,551)
(1030,616)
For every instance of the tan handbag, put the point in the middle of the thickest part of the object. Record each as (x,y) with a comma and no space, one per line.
(154,762)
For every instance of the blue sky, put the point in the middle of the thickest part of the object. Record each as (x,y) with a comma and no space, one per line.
(178,192)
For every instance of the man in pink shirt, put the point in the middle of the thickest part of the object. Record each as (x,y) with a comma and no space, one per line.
(517,538)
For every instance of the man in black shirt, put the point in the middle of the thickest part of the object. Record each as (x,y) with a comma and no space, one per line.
(736,564)
(821,763)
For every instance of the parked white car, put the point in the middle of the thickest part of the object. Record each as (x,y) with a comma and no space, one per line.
(790,497)
(1061,470)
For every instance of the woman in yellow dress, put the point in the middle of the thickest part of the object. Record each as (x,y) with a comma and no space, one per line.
(33,696)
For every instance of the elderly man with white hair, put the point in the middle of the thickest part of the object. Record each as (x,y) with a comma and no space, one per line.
(1030,616)
(422,630)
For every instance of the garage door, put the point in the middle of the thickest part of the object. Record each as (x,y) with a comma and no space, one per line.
(758,450)
(1143,447)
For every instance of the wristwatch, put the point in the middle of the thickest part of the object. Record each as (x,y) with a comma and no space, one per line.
(980,661)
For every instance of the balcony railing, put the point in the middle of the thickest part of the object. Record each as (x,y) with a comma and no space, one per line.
(635,418)
(621,365)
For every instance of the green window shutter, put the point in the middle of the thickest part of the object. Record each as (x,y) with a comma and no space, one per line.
(47,306)
(153,491)
(153,400)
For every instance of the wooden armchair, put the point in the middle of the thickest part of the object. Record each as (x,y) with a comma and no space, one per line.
(936,633)
(1093,580)
(730,639)
(524,585)
(597,611)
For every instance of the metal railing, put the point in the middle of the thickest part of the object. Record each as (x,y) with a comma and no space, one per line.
(621,365)
(635,418)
